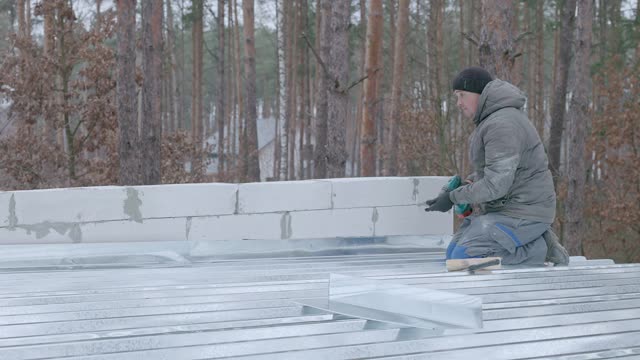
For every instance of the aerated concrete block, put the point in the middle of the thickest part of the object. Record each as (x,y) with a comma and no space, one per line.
(183,200)
(369,192)
(335,208)
(238,227)
(6,209)
(332,223)
(119,203)
(387,191)
(45,233)
(70,205)
(412,220)
(284,196)
(173,229)
(428,187)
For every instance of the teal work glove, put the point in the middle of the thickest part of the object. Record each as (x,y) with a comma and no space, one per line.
(461,210)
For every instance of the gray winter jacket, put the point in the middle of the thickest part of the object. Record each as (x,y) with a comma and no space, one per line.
(511,174)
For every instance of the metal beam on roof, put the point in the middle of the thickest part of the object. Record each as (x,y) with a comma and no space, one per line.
(246,309)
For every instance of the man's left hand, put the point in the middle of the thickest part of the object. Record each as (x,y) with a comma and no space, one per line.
(442,203)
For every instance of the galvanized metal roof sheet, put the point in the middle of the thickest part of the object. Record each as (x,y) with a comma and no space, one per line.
(247,309)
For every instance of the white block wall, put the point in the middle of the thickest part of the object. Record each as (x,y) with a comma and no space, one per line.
(195,213)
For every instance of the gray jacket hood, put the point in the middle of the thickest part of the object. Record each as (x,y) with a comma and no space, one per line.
(498,95)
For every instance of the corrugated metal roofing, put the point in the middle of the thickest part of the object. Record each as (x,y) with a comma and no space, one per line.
(246,309)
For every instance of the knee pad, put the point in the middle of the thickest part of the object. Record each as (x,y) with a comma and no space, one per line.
(459,252)
(450,248)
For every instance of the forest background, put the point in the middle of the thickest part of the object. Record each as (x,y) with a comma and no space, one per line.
(129,92)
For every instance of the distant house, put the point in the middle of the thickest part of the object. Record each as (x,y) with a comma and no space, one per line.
(6,125)
(266,146)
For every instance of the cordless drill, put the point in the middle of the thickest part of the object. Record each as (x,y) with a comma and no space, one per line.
(461,210)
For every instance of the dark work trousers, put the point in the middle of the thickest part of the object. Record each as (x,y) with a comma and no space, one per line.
(516,241)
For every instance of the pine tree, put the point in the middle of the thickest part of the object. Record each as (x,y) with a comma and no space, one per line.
(151,129)
(579,114)
(130,166)
(253,161)
(373,62)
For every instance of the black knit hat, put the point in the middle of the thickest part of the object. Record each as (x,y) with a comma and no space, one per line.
(472,79)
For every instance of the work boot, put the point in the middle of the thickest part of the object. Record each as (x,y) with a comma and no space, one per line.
(556,253)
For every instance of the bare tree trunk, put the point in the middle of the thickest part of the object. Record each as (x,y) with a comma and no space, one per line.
(372,66)
(362,50)
(276,140)
(575,224)
(22,24)
(615,36)
(435,59)
(27,19)
(321,153)
(130,166)
(497,48)
(459,122)
(253,160)
(278,172)
(314,91)
(197,166)
(539,75)
(391,168)
(338,100)
(304,95)
(241,164)
(231,98)
(516,72)
(220,105)
(530,58)
(49,40)
(295,91)
(288,27)
(306,153)
(167,105)
(65,70)
(180,79)
(603,20)
(62,83)
(98,13)
(391,10)
(615,56)
(207,109)
(171,73)
(167,99)
(474,14)
(638,32)
(475,28)
(382,105)
(556,49)
(463,57)
(49,131)
(560,87)
(151,91)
